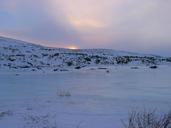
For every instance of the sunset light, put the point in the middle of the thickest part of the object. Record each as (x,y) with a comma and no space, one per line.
(72,47)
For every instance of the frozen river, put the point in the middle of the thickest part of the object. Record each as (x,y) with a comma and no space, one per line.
(84,98)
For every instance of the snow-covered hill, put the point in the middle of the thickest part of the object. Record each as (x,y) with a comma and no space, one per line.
(16,55)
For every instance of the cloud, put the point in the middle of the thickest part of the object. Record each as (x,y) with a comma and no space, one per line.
(36,21)
(118,24)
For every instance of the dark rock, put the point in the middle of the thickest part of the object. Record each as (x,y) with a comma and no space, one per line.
(134,68)
(153,67)
(78,67)
(107,71)
(102,68)
(55,70)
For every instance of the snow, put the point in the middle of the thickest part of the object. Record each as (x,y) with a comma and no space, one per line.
(97,99)
(42,87)
(22,56)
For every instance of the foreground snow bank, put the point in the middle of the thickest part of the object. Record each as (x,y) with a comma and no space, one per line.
(86,98)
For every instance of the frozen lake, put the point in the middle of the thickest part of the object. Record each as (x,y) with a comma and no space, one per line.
(84,98)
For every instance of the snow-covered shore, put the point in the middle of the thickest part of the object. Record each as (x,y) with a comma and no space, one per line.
(17,55)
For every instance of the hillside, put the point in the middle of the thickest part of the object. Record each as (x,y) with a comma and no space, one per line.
(17,55)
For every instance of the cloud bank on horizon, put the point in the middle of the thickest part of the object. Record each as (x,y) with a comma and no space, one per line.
(135,25)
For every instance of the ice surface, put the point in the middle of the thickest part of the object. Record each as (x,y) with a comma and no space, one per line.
(85,98)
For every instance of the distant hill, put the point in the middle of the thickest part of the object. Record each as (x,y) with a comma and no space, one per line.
(17,55)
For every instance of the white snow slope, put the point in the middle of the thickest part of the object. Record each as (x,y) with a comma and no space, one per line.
(17,55)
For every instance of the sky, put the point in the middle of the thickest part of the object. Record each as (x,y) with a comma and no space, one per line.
(131,25)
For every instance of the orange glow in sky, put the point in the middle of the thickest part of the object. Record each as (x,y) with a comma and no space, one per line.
(80,23)
(72,47)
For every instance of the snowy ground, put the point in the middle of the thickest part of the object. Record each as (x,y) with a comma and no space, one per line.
(86,98)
